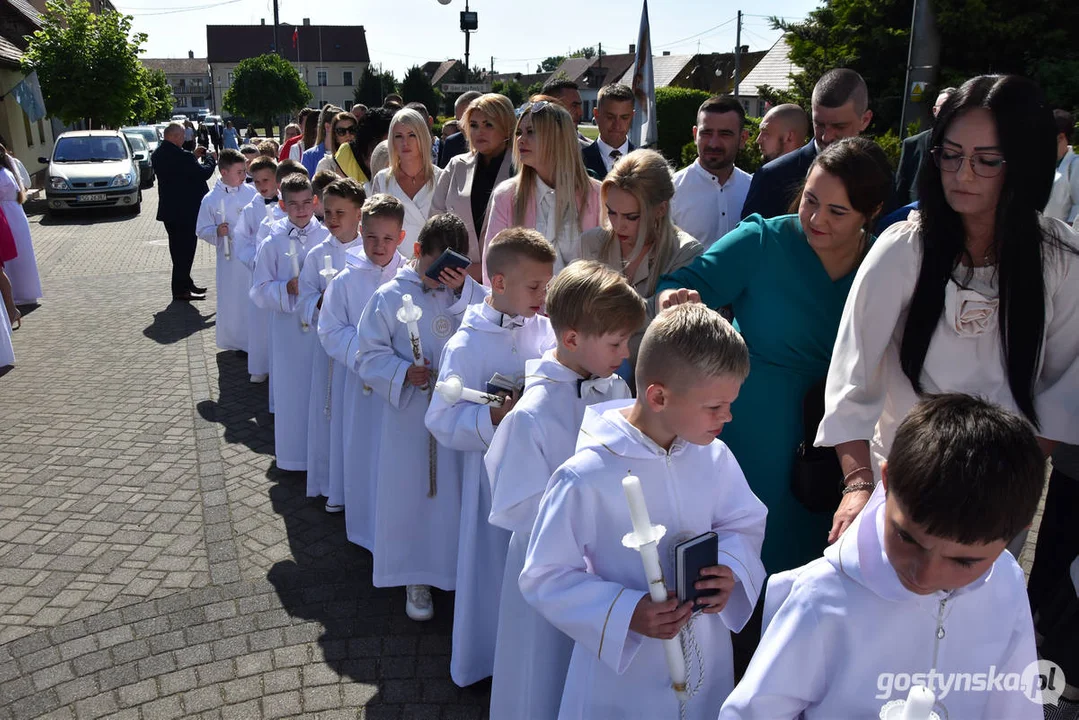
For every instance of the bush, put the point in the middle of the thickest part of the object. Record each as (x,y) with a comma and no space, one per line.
(676,113)
(891,145)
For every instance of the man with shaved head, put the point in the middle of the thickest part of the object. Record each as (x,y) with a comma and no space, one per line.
(181,185)
(783,129)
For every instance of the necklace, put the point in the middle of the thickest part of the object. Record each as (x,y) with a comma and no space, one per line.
(413,178)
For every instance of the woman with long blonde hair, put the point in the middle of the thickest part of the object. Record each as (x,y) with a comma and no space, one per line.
(411,176)
(466,187)
(552,192)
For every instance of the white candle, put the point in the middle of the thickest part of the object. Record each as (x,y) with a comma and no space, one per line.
(410,315)
(294,253)
(645,539)
(327,263)
(919,703)
(228,236)
(452,390)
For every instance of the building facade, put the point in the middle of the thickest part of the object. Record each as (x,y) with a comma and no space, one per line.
(330,58)
(189,79)
(25,139)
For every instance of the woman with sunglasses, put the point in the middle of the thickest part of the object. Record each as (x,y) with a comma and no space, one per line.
(466,186)
(411,176)
(552,192)
(342,130)
(976,292)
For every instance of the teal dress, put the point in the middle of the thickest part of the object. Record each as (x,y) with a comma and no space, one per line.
(788,309)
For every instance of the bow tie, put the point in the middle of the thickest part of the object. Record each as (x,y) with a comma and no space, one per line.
(270,201)
(511,322)
(298,232)
(598,385)
(249,179)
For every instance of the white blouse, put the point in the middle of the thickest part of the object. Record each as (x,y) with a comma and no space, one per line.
(867,394)
(416,208)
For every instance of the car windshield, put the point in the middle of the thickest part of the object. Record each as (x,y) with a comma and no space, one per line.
(137,143)
(146,133)
(89,149)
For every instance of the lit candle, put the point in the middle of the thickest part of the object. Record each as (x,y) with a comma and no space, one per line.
(919,705)
(452,389)
(410,315)
(644,538)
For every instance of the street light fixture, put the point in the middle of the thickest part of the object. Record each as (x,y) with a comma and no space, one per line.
(469,24)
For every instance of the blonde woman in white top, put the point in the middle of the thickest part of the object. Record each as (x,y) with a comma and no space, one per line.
(411,176)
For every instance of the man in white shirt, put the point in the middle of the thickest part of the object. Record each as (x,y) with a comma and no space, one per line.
(614,116)
(1064,198)
(708,195)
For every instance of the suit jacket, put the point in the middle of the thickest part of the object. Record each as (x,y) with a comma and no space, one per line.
(914,154)
(776,183)
(181,183)
(593,161)
(454,194)
(456,144)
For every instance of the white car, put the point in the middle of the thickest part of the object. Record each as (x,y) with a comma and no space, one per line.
(93,169)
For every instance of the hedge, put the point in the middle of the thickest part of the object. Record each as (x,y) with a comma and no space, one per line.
(676,114)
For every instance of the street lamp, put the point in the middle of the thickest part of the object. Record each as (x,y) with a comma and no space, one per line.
(469,24)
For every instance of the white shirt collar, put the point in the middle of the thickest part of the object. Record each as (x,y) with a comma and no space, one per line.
(605,151)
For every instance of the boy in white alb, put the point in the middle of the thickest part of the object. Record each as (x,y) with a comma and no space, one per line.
(276,286)
(580,576)
(354,431)
(498,335)
(918,590)
(593,312)
(263,209)
(418,483)
(343,222)
(220,209)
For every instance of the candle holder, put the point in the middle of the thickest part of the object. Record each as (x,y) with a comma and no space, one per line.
(452,389)
(410,315)
(918,706)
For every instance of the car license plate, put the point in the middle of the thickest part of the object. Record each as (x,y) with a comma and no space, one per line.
(92,198)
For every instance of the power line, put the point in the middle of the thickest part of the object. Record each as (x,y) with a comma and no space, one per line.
(695,35)
(192,8)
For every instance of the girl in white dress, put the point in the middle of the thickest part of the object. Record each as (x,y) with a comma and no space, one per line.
(411,176)
(22,270)
(976,293)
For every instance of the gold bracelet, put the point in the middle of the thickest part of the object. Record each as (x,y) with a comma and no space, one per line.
(855,471)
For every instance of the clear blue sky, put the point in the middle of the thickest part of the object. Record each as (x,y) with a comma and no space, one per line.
(518,33)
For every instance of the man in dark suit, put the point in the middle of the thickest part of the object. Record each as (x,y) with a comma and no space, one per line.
(568,95)
(614,117)
(914,154)
(181,185)
(840,109)
(456,144)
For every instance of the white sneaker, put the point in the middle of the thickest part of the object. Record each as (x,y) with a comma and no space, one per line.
(259,378)
(418,604)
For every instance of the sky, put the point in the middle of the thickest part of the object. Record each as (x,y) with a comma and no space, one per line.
(517,33)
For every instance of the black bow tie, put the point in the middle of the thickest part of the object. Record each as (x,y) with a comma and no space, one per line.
(271,201)
(249,180)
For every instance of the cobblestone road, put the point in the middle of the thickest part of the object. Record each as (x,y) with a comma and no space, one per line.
(152,562)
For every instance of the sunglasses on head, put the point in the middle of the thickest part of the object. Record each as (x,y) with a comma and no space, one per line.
(345,130)
(538,106)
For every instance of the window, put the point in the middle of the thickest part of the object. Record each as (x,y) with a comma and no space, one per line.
(41,130)
(196,102)
(346,78)
(29,133)
(348,104)
(230,78)
(181,102)
(322,78)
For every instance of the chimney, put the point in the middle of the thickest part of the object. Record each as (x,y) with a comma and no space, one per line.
(263,21)
(190,54)
(666,53)
(307,21)
(632,48)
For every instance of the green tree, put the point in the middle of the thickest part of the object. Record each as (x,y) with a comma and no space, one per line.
(264,88)
(415,87)
(367,90)
(676,110)
(511,89)
(154,103)
(586,52)
(87,63)
(550,64)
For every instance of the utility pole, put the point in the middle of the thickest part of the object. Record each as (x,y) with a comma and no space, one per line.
(738,55)
(276,20)
(923,57)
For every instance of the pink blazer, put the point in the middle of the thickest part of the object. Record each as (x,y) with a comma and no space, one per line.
(500,214)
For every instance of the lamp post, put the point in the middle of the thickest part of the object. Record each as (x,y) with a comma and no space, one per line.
(469,24)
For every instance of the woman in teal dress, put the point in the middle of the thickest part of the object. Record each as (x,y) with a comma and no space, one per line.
(786,279)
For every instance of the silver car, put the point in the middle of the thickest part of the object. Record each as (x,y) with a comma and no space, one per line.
(93,169)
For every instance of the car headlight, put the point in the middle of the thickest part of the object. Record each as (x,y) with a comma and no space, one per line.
(58,183)
(122,180)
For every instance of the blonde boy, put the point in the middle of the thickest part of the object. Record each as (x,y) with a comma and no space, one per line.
(580,576)
(593,312)
(498,335)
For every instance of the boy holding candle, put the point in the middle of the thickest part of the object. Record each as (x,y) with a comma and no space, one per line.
(919,584)
(366,268)
(415,480)
(593,312)
(498,335)
(345,199)
(580,576)
(263,209)
(276,287)
(220,209)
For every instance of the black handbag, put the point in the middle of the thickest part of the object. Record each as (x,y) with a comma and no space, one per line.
(816,474)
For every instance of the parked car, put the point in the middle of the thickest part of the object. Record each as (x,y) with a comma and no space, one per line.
(92,169)
(141,152)
(147,132)
(179,118)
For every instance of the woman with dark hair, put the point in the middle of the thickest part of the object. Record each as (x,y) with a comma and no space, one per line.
(354,157)
(308,136)
(786,279)
(975,293)
(342,129)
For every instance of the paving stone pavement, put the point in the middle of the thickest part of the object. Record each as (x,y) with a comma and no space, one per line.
(153,562)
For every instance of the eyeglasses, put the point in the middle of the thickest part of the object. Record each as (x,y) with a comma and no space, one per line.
(984,165)
(344,130)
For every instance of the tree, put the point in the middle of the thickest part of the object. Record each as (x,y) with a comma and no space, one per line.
(587,52)
(415,87)
(367,90)
(87,63)
(155,102)
(550,64)
(511,89)
(265,87)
